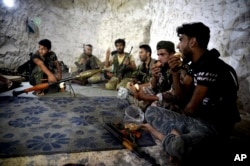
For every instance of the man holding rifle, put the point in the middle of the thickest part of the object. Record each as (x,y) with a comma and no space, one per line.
(122,65)
(44,66)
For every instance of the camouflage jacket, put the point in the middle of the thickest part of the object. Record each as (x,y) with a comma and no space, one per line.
(143,72)
(165,80)
(92,62)
(48,60)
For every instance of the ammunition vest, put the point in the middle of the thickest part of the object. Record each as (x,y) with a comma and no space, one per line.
(120,70)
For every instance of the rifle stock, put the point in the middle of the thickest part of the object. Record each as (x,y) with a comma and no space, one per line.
(34,88)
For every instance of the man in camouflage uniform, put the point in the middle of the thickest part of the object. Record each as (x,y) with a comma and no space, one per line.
(87,62)
(143,73)
(122,65)
(44,65)
(208,117)
(161,79)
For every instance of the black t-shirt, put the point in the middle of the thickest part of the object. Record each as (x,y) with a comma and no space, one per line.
(219,105)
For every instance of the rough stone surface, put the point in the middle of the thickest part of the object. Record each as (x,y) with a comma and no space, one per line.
(70,23)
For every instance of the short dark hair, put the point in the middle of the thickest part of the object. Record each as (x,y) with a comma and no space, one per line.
(198,30)
(46,43)
(167,45)
(122,41)
(89,45)
(146,47)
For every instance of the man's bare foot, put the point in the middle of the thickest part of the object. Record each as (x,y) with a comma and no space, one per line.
(175,132)
(147,127)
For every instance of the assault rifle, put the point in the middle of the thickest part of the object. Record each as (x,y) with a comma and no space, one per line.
(45,85)
(40,86)
(123,67)
(128,144)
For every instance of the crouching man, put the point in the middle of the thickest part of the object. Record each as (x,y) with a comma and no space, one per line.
(44,66)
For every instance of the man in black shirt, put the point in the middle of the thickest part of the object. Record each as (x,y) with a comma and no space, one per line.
(211,111)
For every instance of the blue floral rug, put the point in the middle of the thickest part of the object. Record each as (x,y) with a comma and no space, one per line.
(48,125)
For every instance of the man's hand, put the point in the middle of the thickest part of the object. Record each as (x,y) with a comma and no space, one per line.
(52,78)
(130,86)
(58,76)
(155,71)
(108,52)
(174,63)
(107,63)
(141,95)
(175,132)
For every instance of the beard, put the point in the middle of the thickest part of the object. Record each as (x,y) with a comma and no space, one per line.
(143,59)
(120,51)
(187,55)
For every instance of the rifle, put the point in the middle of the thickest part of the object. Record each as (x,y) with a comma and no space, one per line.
(40,86)
(123,67)
(126,143)
(45,85)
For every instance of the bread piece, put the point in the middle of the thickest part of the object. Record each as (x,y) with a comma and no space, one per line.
(179,55)
(137,87)
(158,64)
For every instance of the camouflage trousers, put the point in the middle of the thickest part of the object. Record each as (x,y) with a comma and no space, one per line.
(92,78)
(115,84)
(192,131)
(36,76)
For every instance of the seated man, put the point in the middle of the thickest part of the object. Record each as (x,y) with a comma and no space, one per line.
(211,111)
(122,65)
(161,79)
(44,65)
(87,62)
(143,73)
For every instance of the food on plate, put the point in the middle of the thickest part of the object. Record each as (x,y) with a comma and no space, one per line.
(131,126)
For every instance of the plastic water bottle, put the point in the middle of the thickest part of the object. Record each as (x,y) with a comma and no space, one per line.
(122,93)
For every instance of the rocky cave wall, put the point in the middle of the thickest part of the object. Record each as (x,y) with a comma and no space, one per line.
(71,23)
